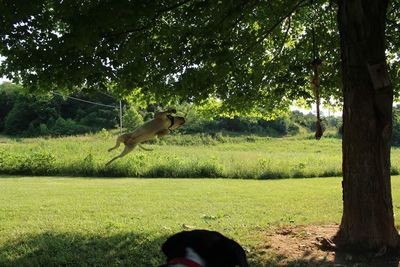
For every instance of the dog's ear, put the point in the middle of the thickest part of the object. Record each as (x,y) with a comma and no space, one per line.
(175,246)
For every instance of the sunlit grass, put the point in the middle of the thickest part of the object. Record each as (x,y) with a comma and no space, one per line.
(176,156)
(181,156)
(57,221)
(101,222)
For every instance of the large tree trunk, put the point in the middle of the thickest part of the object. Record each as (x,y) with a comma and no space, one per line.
(367,221)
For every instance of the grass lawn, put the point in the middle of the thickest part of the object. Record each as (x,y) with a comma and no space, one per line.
(75,221)
(53,221)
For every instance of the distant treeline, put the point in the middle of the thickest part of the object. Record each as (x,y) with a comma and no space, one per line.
(28,115)
(54,115)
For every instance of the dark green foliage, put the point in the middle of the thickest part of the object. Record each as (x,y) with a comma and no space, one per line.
(307,121)
(67,127)
(7,99)
(18,119)
(280,126)
(30,115)
(27,113)
(101,118)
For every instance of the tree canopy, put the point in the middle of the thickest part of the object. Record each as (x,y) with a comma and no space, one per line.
(249,54)
(246,53)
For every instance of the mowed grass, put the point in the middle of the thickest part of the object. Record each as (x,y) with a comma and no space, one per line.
(176,156)
(50,221)
(105,222)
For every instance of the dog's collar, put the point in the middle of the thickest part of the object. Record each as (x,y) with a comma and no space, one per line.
(172,119)
(185,262)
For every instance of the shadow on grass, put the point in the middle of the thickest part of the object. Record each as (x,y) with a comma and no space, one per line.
(65,249)
(138,250)
(341,259)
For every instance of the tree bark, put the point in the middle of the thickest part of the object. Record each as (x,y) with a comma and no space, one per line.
(367,221)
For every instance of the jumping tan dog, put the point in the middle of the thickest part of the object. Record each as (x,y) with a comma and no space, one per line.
(161,125)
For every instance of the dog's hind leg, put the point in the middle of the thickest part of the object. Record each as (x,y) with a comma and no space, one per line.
(127,149)
(116,145)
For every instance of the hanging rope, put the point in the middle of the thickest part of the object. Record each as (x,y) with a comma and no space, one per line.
(316,64)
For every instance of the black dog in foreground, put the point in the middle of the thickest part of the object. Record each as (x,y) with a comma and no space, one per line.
(203,248)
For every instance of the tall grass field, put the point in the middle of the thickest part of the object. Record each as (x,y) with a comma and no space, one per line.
(178,156)
(175,156)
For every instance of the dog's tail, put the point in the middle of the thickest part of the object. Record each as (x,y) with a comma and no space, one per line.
(145,149)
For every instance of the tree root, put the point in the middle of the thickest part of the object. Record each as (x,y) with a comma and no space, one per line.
(326,244)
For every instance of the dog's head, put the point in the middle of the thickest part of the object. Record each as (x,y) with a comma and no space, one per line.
(177,122)
(214,249)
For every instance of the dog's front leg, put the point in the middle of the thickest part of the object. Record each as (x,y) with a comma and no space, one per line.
(163,133)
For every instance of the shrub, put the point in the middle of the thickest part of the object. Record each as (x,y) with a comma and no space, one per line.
(43,129)
(7,100)
(132,119)
(27,114)
(40,162)
(32,163)
(18,119)
(68,127)
(101,118)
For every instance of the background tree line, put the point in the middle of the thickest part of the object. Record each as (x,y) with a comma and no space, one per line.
(43,115)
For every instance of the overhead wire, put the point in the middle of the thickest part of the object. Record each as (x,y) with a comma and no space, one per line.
(85,101)
(98,104)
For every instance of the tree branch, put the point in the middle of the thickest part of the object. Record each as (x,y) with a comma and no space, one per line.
(274,57)
(158,14)
(269,31)
(283,41)
(239,7)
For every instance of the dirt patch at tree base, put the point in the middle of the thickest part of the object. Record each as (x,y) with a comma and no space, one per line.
(310,246)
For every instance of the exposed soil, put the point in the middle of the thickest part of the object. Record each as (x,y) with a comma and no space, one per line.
(311,246)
